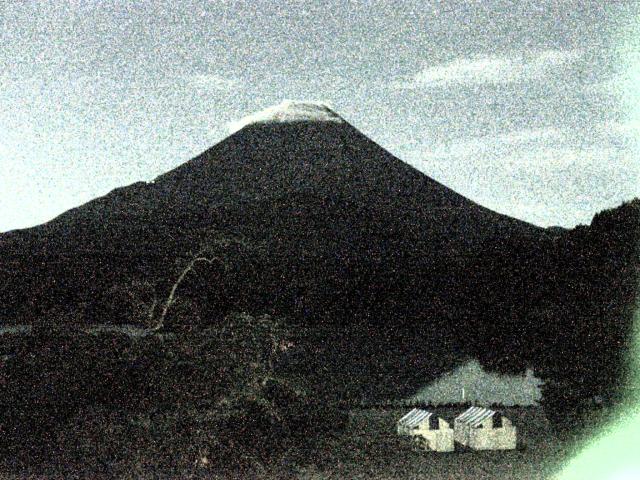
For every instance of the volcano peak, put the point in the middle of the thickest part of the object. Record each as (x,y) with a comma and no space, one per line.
(289,111)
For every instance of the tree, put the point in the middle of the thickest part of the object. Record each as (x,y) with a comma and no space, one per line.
(132,301)
(252,347)
(209,253)
(589,331)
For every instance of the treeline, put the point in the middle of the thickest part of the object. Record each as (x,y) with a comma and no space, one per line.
(562,303)
(182,401)
(565,306)
(591,325)
(409,404)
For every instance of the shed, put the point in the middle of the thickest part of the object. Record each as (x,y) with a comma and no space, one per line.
(433,432)
(483,429)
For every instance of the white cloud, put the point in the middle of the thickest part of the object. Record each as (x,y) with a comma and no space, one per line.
(501,143)
(628,128)
(212,81)
(482,70)
(492,69)
(547,176)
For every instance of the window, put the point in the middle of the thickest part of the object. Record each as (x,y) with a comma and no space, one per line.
(497,420)
(434,424)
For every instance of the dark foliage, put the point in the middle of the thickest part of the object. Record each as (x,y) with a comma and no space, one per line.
(353,243)
(209,398)
(387,277)
(595,287)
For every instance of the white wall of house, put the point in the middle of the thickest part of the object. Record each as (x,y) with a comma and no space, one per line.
(485,437)
(440,440)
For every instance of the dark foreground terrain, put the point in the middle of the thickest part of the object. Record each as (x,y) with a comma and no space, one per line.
(224,312)
(370,449)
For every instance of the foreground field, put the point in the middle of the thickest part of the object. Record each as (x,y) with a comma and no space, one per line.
(370,449)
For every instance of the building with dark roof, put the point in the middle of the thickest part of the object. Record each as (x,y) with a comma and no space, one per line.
(480,428)
(430,431)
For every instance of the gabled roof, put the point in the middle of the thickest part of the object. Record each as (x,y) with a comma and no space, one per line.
(415,417)
(474,416)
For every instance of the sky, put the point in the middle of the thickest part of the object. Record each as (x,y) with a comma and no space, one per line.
(530,108)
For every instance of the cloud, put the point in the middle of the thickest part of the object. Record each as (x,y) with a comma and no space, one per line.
(492,69)
(503,143)
(212,82)
(545,153)
(551,175)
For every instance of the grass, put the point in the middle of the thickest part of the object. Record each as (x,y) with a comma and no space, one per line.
(370,449)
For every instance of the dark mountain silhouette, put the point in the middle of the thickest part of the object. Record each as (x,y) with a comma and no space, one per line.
(389,277)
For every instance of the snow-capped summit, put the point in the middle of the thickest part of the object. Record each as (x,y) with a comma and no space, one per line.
(289,111)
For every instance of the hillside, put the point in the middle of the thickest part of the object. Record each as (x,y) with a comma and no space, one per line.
(389,277)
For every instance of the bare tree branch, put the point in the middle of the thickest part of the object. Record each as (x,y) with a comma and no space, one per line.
(152,310)
(209,242)
(174,288)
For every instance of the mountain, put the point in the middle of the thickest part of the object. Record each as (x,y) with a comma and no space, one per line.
(388,276)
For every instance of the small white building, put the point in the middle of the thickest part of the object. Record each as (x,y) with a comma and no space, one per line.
(483,429)
(433,432)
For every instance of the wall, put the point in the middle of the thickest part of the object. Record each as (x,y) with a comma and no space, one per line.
(487,437)
(440,440)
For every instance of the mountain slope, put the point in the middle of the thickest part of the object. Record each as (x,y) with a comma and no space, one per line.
(313,189)
(388,276)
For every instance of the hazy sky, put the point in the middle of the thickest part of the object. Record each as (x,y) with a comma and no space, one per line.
(529,108)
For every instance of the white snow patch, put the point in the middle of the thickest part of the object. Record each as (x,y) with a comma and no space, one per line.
(289,111)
